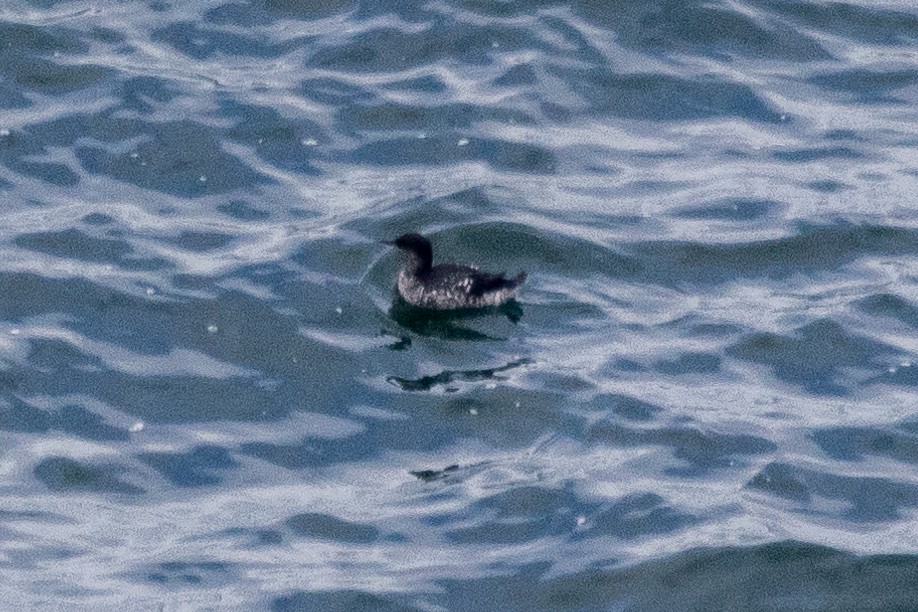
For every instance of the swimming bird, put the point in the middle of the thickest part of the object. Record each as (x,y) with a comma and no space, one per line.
(447,286)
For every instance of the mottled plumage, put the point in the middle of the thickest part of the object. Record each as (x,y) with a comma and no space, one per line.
(448,286)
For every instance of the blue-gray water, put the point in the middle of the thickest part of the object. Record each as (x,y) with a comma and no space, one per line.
(704,400)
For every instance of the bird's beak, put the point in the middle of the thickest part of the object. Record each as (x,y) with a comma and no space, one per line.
(388,242)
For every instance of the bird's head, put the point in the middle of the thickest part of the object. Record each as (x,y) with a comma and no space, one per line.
(416,247)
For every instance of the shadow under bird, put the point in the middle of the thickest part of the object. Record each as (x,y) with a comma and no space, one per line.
(447,286)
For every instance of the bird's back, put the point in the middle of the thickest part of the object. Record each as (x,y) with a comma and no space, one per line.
(453,286)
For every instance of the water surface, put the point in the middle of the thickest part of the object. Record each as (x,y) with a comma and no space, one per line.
(704,399)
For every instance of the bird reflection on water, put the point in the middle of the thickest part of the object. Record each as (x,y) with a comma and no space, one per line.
(447,324)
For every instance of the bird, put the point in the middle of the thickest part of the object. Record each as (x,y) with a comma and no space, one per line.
(447,286)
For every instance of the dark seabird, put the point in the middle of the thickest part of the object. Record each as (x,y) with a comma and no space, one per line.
(448,286)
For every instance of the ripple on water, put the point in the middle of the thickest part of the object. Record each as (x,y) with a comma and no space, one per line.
(207,382)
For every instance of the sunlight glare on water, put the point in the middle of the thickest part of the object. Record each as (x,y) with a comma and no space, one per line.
(703,399)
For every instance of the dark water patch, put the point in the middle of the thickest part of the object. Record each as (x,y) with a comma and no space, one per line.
(699,28)
(504,417)
(37,557)
(702,451)
(36,516)
(11,97)
(504,10)
(201,43)
(17,415)
(868,24)
(904,374)
(559,382)
(626,406)
(334,256)
(96,219)
(193,282)
(638,516)
(427,84)
(661,97)
(386,49)
(813,248)
(890,305)
(782,479)
(27,61)
(180,158)
(859,443)
(576,43)
(338,601)
(313,452)
(649,187)
(243,211)
(814,154)
(56,174)
(520,247)
(816,357)
(447,149)
(327,527)
(392,116)
(67,475)
(517,76)
(178,574)
(108,36)
(26,39)
(869,86)
(201,242)
(176,157)
(307,11)
(453,210)
(873,177)
(75,244)
(9,381)
(79,421)
(624,364)
(201,466)
(689,363)
(334,92)
(55,367)
(783,575)
(843,134)
(145,264)
(827,186)
(46,77)
(868,500)
(291,144)
(522,514)
(249,338)
(268,12)
(145,94)
(732,209)
(447,378)
(50,354)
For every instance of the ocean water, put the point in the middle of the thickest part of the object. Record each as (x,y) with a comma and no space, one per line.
(704,398)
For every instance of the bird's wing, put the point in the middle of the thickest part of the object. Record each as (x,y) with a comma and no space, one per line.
(483,282)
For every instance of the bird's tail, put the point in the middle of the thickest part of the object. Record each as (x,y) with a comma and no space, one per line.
(518,280)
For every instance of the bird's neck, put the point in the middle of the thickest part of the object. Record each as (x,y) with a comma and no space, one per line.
(418,263)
